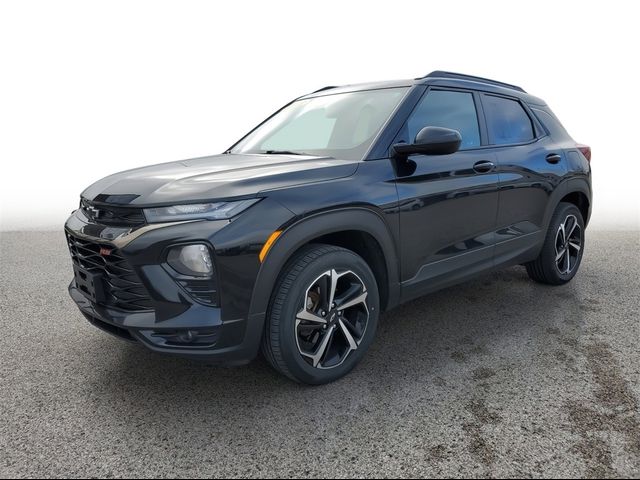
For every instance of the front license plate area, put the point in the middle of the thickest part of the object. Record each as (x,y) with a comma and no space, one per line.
(90,283)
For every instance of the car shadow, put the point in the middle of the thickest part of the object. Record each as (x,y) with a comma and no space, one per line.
(419,345)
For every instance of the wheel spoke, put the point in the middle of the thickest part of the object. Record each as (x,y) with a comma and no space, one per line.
(573,226)
(324,287)
(351,292)
(316,357)
(353,345)
(328,285)
(575,246)
(354,301)
(567,261)
(562,232)
(305,314)
(333,285)
(560,254)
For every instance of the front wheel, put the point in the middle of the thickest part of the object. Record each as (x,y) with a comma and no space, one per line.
(323,315)
(561,254)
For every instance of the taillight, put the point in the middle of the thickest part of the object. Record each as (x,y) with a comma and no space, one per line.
(586,151)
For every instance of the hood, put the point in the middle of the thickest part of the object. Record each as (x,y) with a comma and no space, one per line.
(215,177)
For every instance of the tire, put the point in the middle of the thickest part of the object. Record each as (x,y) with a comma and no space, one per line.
(552,267)
(307,340)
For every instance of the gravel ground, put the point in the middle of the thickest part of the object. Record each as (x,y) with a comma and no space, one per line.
(498,377)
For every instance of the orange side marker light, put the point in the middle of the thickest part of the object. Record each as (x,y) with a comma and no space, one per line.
(267,245)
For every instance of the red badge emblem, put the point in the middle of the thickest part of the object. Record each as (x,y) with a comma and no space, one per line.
(105,252)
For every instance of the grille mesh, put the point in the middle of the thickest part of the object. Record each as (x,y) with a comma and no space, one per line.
(123,287)
(112,215)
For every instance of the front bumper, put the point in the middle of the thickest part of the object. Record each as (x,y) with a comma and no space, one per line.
(198,333)
(177,323)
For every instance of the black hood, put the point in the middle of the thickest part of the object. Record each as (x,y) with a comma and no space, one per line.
(216,177)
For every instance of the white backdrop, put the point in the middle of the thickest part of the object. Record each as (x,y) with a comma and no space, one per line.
(90,88)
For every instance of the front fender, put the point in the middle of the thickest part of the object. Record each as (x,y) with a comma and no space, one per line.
(305,230)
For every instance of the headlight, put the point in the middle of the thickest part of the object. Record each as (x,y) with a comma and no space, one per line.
(197,211)
(193,260)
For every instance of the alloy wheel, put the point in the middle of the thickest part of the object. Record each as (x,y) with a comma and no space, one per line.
(568,245)
(333,320)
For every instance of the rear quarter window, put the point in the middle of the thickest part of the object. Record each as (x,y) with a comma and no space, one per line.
(551,123)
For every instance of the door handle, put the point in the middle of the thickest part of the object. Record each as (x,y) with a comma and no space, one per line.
(553,158)
(483,166)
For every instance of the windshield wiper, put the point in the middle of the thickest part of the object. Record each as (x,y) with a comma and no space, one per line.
(284,152)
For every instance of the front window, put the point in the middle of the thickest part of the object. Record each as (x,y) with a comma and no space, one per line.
(341,125)
(448,109)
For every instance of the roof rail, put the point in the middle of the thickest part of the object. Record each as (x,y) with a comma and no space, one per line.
(324,88)
(461,76)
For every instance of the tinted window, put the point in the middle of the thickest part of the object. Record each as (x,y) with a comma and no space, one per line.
(552,123)
(455,110)
(507,122)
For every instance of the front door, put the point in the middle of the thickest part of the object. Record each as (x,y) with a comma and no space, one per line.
(448,203)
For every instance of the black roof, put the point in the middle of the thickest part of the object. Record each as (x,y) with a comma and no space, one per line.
(438,78)
(462,76)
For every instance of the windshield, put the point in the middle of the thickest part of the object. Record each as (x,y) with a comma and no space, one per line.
(341,125)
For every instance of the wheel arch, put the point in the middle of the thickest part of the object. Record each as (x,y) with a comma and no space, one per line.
(359,229)
(581,200)
(573,190)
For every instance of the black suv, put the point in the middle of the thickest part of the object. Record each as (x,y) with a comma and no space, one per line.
(341,205)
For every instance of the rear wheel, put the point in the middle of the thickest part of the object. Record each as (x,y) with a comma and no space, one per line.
(323,315)
(561,254)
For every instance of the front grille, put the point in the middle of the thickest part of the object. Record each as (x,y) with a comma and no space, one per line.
(112,215)
(123,288)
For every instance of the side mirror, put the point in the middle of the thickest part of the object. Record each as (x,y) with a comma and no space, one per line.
(430,141)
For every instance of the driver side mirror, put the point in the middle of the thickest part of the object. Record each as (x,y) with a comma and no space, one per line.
(430,141)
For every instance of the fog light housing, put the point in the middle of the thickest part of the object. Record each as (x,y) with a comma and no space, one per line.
(192,260)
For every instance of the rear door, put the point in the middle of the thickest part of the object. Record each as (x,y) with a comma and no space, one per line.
(530,166)
(448,203)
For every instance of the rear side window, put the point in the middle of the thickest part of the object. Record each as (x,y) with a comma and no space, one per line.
(455,110)
(507,121)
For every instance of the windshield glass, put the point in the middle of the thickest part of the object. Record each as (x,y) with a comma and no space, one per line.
(341,125)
